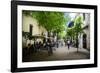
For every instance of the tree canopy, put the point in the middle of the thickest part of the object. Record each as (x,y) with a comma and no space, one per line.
(56,22)
(77,28)
(52,21)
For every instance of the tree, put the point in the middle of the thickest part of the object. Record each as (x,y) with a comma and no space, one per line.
(78,28)
(71,33)
(52,21)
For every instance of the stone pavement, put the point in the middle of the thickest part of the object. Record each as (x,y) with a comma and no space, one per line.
(61,53)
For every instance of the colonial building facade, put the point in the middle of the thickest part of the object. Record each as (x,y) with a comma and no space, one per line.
(31,25)
(84,38)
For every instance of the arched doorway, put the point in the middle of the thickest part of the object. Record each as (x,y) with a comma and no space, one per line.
(84,41)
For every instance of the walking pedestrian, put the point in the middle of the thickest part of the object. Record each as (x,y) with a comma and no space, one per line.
(50,50)
(68,44)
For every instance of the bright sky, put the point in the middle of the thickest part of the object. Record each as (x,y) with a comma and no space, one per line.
(72,15)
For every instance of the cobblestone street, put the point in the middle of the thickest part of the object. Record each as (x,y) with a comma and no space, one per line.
(61,53)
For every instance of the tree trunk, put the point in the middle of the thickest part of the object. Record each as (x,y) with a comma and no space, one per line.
(77,41)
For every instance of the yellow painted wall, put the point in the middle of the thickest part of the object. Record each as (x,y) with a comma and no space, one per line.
(37,30)
(27,20)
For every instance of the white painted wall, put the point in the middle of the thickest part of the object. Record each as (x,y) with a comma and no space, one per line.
(37,30)
(5,37)
(86,31)
(27,21)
